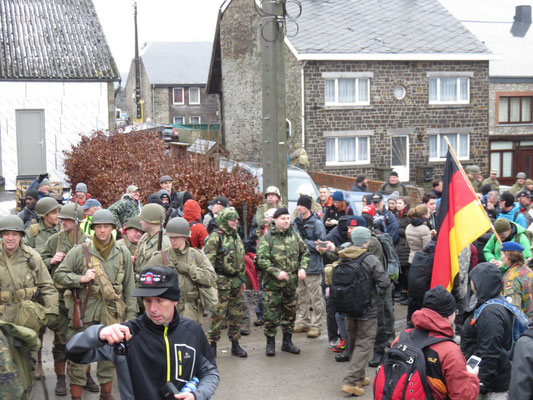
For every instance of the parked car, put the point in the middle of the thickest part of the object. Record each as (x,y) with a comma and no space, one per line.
(169,134)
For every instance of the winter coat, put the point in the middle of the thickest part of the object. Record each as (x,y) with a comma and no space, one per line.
(388,188)
(492,249)
(124,209)
(517,188)
(193,214)
(514,215)
(390,222)
(311,230)
(518,288)
(420,271)
(418,236)
(490,335)
(358,188)
(448,377)
(28,216)
(37,235)
(332,213)
(521,386)
(402,247)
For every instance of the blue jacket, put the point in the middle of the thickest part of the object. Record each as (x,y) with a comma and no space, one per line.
(392,226)
(510,215)
(312,229)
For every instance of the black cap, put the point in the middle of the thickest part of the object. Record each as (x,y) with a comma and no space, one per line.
(281,211)
(32,193)
(305,201)
(394,173)
(377,197)
(158,281)
(508,198)
(439,300)
(525,193)
(219,200)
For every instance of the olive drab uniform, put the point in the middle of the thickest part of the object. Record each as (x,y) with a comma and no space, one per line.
(132,248)
(280,251)
(225,251)
(27,292)
(109,301)
(518,288)
(37,235)
(60,242)
(260,217)
(196,277)
(146,249)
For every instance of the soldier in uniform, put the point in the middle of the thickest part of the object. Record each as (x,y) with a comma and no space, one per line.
(27,294)
(133,232)
(55,249)
(283,257)
(492,181)
(299,157)
(108,266)
(225,251)
(196,275)
(518,280)
(273,200)
(37,234)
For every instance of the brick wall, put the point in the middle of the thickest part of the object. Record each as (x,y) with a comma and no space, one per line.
(507,129)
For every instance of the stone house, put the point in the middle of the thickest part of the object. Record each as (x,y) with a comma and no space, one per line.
(173,78)
(56,82)
(368,87)
(505,27)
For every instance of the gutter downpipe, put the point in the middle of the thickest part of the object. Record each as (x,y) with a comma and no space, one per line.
(303,103)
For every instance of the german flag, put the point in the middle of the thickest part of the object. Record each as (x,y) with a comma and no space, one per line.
(461,220)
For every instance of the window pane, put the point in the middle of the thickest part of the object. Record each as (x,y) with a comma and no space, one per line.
(463,94)
(433,146)
(495,162)
(526,109)
(507,167)
(330,150)
(362,154)
(515,109)
(501,146)
(194,95)
(363,90)
(330,91)
(346,90)
(179,120)
(178,95)
(432,90)
(444,146)
(346,149)
(448,89)
(503,110)
(195,120)
(463,145)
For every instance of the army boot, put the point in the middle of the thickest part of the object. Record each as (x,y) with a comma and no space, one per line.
(105,391)
(237,350)
(61,384)
(271,346)
(287,344)
(213,348)
(91,385)
(76,392)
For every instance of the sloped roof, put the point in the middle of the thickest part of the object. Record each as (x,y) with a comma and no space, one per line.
(53,40)
(170,63)
(491,21)
(379,27)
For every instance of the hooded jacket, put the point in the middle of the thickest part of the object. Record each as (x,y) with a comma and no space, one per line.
(521,387)
(418,236)
(448,377)
(402,247)
(311,230)
(510,215)
(493,251)
(193,214)
(490,335)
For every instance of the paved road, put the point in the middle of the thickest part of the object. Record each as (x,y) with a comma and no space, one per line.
(313,374)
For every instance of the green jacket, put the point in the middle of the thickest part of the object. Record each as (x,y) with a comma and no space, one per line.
(37,235)
(194,272)
(51,246)
(130,246)
(146,249)
(124,209)
(494,184)
(517,188)
(492,250)
(118,269)
(281,251)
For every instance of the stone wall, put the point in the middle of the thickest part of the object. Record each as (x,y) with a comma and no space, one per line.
(507,129)
(207,110)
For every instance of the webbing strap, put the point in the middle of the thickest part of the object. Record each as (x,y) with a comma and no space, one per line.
(10,269)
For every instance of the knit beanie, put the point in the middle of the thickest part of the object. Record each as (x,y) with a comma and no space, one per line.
(305,201)
(360,236)
(338,196)
(439,300)
(502,225)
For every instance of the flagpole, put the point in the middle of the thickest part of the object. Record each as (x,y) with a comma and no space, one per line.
(470,186)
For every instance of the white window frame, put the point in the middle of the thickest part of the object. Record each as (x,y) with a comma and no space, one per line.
(457,100)
(199,120)
(458,153)
(179,123)
(182,96)
(191,89)
(354,162)
(356,86)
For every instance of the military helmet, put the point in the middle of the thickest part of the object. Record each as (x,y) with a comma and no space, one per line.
(103,217)
(12,223)
(178,227)
(46,205)
(133,222)
(152,213)
(67,212)
(272,190)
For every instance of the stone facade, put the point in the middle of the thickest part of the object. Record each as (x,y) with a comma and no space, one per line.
(496,129)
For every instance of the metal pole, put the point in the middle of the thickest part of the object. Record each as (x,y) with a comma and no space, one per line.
(273,122)
(137,66)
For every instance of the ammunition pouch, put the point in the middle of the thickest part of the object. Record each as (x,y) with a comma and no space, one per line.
(10,297)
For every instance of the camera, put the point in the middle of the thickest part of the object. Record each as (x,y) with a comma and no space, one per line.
(121,348)
(168,390)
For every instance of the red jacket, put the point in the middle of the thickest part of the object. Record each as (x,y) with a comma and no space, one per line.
(193,213)
(447,376)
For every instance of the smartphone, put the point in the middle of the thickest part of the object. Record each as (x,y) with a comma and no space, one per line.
(473,361)
(321,244)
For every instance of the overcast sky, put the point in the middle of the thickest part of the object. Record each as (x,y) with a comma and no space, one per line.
(158,20)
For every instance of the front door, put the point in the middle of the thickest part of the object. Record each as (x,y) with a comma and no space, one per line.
(525,162)
(31,149)
(400,156)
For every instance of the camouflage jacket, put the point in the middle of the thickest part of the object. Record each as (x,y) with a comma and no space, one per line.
(60,242)
(281,251)
(146,249)
(124,209)
(518,288)
(37,235)
(131,247)
(260,216)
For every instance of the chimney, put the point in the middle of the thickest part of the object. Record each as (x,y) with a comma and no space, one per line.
(522,21)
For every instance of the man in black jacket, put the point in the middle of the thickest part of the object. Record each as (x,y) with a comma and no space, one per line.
(150,340)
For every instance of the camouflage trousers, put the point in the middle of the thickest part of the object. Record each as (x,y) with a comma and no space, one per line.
(61,333)
(279,308)
(229,308)
(77,373)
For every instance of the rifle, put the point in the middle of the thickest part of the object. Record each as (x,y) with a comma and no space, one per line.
(77,316)
(90,285)
(161,228)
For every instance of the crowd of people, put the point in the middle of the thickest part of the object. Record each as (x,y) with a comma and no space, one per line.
(163,266)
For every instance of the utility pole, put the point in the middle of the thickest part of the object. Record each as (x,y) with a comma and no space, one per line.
(273,123)
(137,67)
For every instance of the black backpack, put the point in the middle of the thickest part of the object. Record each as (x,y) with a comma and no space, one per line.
(351,287)
(403,372)
(391,256)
